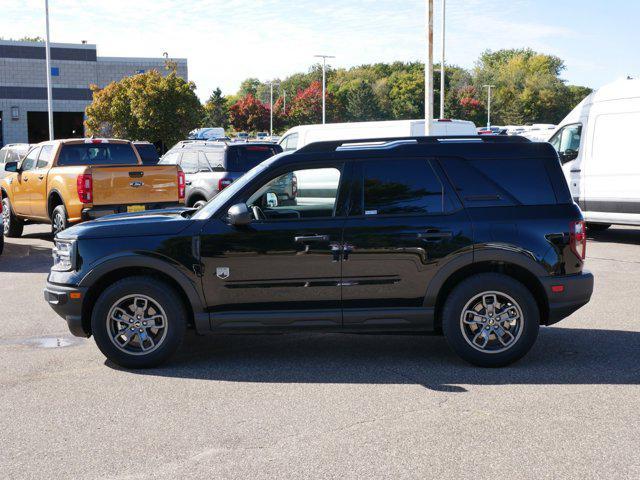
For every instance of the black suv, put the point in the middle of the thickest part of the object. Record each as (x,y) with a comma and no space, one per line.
(476,238)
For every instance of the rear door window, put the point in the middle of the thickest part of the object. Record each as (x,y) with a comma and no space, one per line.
(97,154)
(401,187)
(189,162)
(242,158)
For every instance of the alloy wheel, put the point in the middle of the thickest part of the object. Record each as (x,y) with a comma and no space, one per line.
(492,322)
(137,324)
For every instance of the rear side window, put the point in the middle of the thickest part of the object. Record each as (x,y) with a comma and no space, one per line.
(97,154)
(170,158)
(45,156)
(189,162)
(401,187)
(501,182)
(242,158)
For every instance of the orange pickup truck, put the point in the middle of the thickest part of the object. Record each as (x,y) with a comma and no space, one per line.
(63,182)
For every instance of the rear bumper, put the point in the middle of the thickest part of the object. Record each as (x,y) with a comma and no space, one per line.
(58,297)
(577,293)
(103,210)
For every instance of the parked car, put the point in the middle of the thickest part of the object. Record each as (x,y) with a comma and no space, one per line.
(476,238)
(148,152)
(212,166)
(242,137)
(298,137)
(262,136)
(63,182)
(596,144)
(12,152)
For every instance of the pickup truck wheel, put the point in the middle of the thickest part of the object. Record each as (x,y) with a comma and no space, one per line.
(11,225)
(490,320)
(138,322)
(59,219)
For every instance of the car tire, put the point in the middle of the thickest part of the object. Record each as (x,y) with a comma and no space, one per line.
(508,329)
(59,221)
(597,227)
(12,225)
(138,345)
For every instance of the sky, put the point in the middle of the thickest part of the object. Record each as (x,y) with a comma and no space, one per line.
(226,41)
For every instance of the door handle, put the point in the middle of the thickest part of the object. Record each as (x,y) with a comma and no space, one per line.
(311,238)
(25,179)
(40,177)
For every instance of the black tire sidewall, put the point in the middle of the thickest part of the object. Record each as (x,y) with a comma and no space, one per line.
(161,293)
(61,211)
(470,288)
(15,225)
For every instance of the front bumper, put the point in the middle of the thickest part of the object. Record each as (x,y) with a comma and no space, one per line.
(576,293)
(59,298)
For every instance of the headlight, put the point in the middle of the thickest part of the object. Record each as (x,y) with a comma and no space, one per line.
(64,256)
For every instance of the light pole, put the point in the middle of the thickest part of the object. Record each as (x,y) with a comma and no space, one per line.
(48,65)
(324,84)
(428,72)
(488,87)
(284,101)
(444,6)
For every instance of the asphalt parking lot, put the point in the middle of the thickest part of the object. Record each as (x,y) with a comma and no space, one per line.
(323,406)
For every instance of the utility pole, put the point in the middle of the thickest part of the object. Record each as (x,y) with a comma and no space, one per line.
(48,64)
(284,103)
(428,72)
(444,7)
(271,83)
(488,87)
(324,84)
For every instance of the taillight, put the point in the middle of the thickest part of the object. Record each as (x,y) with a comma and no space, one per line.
(224,183)
(578,239)
(85,188)
(181,184)
(294,186)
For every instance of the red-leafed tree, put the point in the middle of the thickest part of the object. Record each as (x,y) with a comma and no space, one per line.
(463,103)
(249,114)
(306,107)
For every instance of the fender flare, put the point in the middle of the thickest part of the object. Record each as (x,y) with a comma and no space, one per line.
(113,263)
(50,194)
(494,253)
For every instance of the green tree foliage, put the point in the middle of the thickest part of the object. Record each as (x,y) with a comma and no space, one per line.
(147,106)
(216,111)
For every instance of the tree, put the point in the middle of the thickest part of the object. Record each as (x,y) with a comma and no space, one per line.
(249,87)
(463,103)
(361,103)
(146,106)
(306,107)
(406,94)
(249,114)
(216,111)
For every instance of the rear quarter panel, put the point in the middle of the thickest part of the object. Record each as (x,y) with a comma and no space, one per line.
(64,181)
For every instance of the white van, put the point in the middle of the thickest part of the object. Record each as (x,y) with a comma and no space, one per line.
(297,137)
(597,146)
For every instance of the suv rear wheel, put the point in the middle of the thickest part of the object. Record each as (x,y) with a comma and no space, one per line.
(12,225)
(490,320)
(138,322)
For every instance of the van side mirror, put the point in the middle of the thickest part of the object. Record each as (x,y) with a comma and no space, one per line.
(239,215)
(568,155)
(11,167)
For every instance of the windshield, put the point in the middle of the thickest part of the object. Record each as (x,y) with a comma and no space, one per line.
(221,198)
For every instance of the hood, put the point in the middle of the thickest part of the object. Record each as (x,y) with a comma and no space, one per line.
(152,222)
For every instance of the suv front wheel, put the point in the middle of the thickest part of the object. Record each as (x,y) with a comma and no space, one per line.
(138,322)
(490,320)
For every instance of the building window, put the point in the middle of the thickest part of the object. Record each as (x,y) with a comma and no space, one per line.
(15,113)
(55,71)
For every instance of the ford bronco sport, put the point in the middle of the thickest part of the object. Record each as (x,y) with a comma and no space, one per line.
(476,238)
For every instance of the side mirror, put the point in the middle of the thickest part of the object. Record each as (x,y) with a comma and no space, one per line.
(239,215)
(568,155)
(11,167)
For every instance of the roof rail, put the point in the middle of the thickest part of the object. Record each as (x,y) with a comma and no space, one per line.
(396,142)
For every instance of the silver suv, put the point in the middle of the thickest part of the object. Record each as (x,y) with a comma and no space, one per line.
(211,166)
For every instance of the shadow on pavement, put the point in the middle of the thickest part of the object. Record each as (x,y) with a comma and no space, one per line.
(629,236)
(22,258)
(561,356)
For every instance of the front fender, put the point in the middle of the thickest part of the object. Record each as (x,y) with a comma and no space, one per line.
(163,265)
